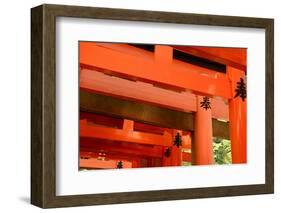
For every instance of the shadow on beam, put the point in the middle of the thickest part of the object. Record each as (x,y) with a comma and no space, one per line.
(107,105)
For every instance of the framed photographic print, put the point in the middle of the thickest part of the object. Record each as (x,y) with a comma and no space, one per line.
(137,106)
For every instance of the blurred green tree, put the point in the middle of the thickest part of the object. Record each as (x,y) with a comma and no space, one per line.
(222,151)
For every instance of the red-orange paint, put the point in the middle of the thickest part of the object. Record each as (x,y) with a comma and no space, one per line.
(203,141)
(181,75)
(237,120)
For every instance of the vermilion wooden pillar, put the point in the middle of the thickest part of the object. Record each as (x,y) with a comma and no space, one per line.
(128,125)
(202,143)
(176,152)
(163,56)
(237,118)
(135,164)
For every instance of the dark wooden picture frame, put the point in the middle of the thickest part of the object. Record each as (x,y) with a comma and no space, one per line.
(43,105)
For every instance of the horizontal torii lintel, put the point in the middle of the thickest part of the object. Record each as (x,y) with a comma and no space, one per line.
(124,135)
(234,57)
(110,106)
(141,150)
(98,164)
(184,75)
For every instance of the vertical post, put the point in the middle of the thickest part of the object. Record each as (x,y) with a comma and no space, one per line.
(135,164)
(149,162)
(176,152)
(128,125)
(238,115)
(163,56)
(202,146)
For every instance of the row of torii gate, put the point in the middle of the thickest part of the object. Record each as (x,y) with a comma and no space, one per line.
(132,69)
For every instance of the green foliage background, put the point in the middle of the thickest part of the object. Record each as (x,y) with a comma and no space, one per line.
(222,151)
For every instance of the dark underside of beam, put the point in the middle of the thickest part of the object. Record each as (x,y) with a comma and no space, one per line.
(188,58)
(107,105)
(198,61)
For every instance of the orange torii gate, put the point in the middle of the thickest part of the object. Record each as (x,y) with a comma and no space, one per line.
(159,68)
(128,134)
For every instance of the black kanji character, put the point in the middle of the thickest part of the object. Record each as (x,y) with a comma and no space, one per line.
(241,89)
(167,152)
(119,165)
(206,104)
(178,140)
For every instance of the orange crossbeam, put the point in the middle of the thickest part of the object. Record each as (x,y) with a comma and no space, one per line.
(235,57)
(100,164)
(97,82)
(176,74)
(129,149)
(124,135)
(109,156)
